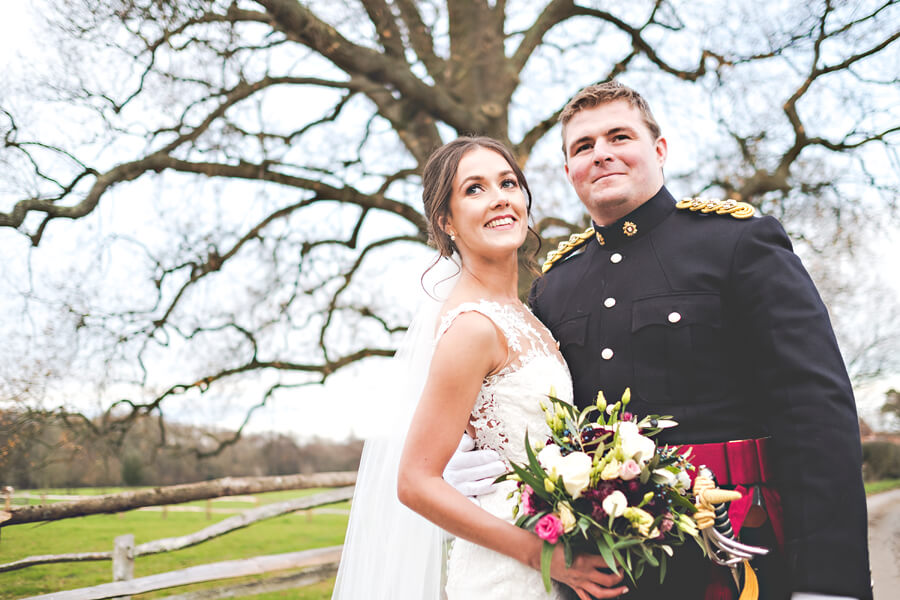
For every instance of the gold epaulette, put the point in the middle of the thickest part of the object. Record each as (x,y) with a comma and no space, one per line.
(575,240)
(738,210)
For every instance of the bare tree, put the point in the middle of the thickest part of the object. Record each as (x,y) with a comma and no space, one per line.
(278,146)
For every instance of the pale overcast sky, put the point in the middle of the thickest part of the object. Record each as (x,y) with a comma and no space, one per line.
(315,413)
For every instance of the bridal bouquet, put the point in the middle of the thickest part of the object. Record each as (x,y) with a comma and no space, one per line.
(602,485)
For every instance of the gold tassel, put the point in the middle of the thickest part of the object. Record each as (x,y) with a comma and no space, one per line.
(751,585)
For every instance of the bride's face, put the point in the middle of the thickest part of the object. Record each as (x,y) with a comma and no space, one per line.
(488,213)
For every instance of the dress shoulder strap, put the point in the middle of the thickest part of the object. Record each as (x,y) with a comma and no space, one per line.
(501,316)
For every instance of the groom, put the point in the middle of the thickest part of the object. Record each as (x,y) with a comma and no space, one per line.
(705,312)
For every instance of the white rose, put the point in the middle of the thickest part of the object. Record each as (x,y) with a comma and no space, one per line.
(575,468)
(549,457)
(615,504)
(635,445)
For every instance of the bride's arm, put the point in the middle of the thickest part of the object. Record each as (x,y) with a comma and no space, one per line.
(471,349)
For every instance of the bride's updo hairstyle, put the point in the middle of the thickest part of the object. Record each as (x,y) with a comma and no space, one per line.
(437,185)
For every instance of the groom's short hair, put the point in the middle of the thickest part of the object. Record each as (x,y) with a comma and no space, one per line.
(604,93)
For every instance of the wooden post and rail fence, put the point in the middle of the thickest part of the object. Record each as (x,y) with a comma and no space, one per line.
(307,567)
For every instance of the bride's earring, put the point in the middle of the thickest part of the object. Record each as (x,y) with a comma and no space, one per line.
(452,238)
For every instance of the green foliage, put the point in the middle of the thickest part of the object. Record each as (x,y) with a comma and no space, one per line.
(132,470)
(881,460)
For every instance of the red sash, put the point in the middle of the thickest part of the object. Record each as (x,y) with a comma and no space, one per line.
(739,464)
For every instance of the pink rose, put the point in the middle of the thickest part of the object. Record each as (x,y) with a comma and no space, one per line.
(549,528)
(629,470)
(527,504)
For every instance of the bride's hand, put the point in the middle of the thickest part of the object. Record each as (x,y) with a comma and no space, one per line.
(587,576)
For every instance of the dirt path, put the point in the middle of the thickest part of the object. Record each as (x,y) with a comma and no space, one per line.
(884,543)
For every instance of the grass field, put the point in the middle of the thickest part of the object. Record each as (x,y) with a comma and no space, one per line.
(289,533)
(873,487)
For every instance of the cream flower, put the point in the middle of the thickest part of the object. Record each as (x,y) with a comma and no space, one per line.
(567,517)
(615,504)
(634,445)
(610,471)
(574,468)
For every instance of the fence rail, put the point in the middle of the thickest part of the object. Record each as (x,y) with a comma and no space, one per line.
(322,562)
(174,494)
(245,519)
(313,565)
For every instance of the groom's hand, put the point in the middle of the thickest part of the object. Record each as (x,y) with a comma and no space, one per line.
(472,472)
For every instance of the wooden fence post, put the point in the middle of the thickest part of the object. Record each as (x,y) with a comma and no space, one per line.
(7,492)
(123,559)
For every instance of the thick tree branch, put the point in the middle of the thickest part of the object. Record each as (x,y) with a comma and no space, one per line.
(385,27)
(421,39)
(301,25)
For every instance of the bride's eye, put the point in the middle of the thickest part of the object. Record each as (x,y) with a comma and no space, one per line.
(472,189)
(509,183)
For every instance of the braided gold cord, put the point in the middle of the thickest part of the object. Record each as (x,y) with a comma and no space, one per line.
(738,210)
(575,240)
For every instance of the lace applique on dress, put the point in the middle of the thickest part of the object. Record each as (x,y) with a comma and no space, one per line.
(507,407)
(526,343)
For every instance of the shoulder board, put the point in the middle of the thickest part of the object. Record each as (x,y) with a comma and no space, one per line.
(566,246)
(738,210)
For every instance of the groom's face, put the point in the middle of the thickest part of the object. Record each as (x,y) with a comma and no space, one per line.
(612,160)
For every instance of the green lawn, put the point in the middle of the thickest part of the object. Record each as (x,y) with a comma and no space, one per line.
(289,533)
(873,487)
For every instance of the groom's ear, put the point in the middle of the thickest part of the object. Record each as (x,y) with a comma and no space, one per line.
(661,148)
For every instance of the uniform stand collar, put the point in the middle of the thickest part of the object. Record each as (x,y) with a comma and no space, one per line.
(638,222)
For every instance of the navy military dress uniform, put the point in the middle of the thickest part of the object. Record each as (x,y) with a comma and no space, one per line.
(714,320)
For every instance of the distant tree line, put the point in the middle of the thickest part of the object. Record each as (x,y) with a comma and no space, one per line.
(45,451)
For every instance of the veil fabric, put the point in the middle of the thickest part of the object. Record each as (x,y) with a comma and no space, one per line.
(390,552)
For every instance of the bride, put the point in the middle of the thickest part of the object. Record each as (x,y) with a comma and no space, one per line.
(482,368)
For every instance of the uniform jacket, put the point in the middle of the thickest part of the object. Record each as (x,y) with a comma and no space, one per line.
(714,321)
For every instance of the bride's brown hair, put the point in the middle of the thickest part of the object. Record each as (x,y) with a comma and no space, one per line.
(437,185)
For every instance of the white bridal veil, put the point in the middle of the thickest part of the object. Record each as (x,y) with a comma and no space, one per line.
(390,552)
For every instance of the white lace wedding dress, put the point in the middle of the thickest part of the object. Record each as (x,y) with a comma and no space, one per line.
(507,407)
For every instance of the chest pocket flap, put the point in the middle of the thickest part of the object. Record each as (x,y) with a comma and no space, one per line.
(677,310)
(571,331)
